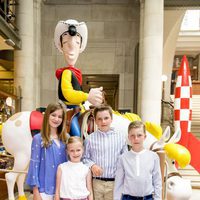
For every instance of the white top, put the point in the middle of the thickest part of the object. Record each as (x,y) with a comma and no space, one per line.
(73,180)
(138,174)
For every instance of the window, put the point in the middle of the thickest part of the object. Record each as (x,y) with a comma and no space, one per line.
(191,21)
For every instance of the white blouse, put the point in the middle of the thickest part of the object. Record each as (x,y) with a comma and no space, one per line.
(73,180)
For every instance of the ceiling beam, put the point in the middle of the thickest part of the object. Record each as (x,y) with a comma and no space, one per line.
(182,3)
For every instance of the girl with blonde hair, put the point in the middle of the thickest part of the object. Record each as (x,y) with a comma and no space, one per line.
(74,179)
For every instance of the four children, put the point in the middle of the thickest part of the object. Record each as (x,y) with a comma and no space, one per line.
(114,172)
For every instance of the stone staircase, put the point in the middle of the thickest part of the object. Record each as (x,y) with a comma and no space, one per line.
(191,174)
(195,129)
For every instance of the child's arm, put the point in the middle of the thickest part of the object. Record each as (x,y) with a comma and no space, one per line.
(89,185)
(96,170)
(35,161)
(36,194)
(119,180)
(157,179)
(58,180)
(87,154)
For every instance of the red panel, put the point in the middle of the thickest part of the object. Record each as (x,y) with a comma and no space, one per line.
(185,103)
(36,119)
(177,92)
(177,115)
(194,148)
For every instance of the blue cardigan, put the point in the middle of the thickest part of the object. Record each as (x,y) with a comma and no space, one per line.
(43,165)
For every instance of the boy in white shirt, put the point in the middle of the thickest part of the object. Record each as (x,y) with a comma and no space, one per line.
(138,174)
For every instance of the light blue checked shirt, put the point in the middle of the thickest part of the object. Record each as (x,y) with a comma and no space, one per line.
(103,149)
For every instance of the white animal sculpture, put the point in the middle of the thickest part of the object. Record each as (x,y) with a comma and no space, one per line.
(16,137)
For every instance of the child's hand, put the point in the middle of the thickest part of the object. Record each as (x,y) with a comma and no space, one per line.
(36,194)
(56,196)
(97,170)
(37,197)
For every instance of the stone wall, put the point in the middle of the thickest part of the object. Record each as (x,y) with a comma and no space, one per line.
(113,32)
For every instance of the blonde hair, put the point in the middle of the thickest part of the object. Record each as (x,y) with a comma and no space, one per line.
(136,124)
(74,139)
(61,130)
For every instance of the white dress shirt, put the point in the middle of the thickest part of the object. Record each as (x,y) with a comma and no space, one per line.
(138,174)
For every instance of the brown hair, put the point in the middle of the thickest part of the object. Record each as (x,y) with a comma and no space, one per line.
(136,124)
(61,130)
(102,108)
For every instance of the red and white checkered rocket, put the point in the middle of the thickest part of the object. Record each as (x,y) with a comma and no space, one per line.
(183,113)
(183,100)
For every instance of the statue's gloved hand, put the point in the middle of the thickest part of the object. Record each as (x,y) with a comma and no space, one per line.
(96,96)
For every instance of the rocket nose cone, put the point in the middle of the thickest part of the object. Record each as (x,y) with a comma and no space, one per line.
(184,68)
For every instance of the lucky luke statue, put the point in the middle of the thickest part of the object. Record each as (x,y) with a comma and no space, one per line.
(71,39)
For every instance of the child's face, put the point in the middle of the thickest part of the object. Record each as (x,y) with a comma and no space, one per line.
(75,151)
(136,137)
(71,48)
(103,120)
(56,118)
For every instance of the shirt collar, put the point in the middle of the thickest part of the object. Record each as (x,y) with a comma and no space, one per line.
(111,131)
(138,153)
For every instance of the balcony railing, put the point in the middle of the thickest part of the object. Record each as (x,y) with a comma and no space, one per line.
(8,12)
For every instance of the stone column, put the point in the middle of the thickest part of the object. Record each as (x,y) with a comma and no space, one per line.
(37,48)
(172,21)
(140,55)
(151,60)
(24,75)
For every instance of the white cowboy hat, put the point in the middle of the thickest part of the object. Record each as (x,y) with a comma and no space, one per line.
(63,26)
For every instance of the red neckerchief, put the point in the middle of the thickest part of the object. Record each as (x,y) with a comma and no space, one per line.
(76,71)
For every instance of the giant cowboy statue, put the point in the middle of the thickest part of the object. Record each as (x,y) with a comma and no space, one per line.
(71,39)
